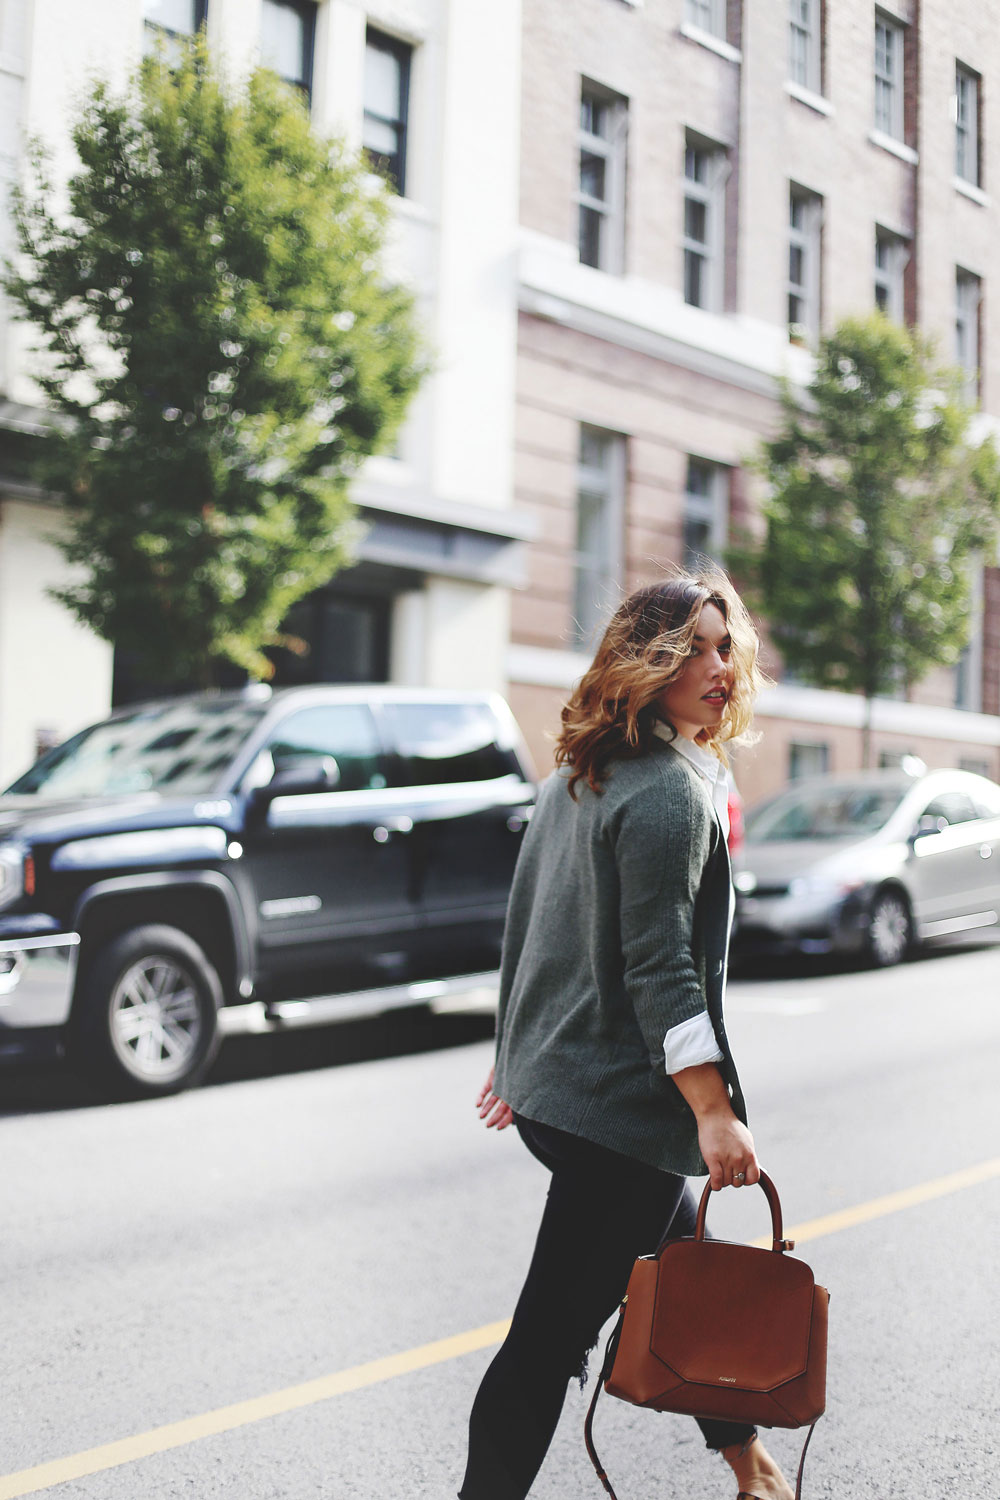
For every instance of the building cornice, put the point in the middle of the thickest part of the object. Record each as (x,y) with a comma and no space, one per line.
(402,500)
(652,319)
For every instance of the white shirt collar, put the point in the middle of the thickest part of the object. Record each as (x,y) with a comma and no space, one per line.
(703,760)
(709,767)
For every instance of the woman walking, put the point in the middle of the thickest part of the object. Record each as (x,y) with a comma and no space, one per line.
(612,1055)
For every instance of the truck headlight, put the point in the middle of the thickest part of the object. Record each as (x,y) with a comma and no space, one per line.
(11,874)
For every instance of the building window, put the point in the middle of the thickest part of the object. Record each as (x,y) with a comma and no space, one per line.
(968,294)
(705,171)
(967,89)
(808,760)
(287,32)
(888,76)
(805,44)
(708,15)
(891,255)
(166,22)
(805,224)
(603,135)
(387,97)
(600,506)
(706,511)
(968,672)
(896,760)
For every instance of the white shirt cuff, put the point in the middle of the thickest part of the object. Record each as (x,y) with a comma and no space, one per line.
(691,1043)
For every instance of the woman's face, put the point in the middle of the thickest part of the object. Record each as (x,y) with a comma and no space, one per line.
(696,700)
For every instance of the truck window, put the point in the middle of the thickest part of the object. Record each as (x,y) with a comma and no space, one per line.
(344,730)
(442,743)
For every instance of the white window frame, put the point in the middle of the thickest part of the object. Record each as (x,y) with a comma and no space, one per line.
(968,354)
(707,15)
(156,34)
(613,149)
(808,238)
(307,15)
(378,40)
(711,192)
(889,57)
(710,508)
(805,44)
(889,277)
(597,572)
(966,110)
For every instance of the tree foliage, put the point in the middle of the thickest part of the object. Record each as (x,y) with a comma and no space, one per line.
(222,351)
(879,495)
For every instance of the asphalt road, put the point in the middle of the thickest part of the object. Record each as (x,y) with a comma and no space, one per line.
(330,1200)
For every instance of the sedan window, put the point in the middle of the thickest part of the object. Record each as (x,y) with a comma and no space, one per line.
(951,807)
(987,802)
(825,812)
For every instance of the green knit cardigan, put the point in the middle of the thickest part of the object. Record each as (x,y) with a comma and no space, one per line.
(617,930)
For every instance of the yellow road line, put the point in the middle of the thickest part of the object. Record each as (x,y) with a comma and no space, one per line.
(226,1418)
(242,1413)
(892,1203)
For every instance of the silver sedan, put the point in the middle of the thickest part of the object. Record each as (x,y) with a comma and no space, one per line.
(870,864)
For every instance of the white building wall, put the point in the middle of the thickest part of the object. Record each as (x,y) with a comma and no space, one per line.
(55,676)
(453,239)
(467,627)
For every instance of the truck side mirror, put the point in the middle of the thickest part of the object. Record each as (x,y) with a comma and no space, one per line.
(298,776)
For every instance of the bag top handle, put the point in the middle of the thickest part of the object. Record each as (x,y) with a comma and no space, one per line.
(771,1193)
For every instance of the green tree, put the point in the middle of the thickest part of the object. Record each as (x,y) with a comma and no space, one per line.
(879,495)
(221,350)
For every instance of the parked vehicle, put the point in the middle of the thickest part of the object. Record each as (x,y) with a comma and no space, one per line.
(869,864)
(249,861)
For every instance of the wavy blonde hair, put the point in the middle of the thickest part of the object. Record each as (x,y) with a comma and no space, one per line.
(646,646)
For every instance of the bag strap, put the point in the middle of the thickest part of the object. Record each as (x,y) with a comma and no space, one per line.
(588,1427)
(774,1203)
(802,1460)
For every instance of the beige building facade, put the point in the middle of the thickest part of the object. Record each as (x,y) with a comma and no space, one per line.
(705,186)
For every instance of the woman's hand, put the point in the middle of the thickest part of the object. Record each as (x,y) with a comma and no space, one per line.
(728,1149)
(494,1113)
(725,1142)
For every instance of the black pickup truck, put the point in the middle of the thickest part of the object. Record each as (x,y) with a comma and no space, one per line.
(253,860)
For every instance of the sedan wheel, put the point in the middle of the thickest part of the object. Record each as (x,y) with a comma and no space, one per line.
(889,929)
(145,1017)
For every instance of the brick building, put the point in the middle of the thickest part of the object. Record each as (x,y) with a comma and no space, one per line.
(704,187)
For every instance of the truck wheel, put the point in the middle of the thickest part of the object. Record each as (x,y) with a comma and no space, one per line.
(890,930)
(146,1013)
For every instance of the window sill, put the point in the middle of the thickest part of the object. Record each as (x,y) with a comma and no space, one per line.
(711,42)
(409,208)
(806,96)
(894,147)
(969,190)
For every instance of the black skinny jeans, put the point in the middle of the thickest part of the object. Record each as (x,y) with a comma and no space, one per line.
(602,1211)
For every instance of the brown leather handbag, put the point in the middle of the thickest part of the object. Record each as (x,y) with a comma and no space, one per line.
(720,1330)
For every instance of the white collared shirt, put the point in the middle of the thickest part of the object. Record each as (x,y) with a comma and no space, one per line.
(693,1041)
